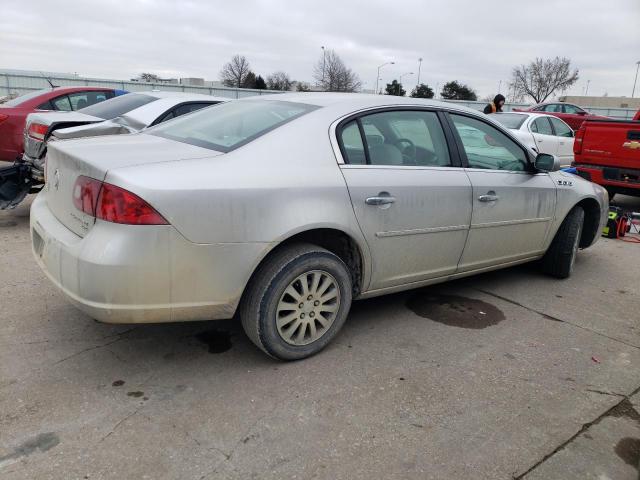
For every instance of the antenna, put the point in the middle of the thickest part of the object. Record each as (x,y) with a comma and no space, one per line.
(48,80)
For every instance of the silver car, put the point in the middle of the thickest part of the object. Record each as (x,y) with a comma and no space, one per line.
(283,209)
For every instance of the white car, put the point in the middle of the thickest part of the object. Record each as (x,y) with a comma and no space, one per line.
(542,133)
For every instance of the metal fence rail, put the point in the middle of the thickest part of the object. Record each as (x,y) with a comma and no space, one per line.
(11,83)
(19,83)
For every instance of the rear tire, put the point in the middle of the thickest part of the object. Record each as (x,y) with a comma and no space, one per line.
(561,255)
(297,301)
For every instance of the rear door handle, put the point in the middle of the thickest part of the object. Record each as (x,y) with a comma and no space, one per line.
(380,200)
(489,197)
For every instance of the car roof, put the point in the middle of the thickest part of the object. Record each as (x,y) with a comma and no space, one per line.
(355,101)
(149,112)
(184,96)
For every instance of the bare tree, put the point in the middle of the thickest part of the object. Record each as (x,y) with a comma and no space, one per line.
(279,81)
(542,77)
(148,77)
(234,73)
(333,75)
(302,87)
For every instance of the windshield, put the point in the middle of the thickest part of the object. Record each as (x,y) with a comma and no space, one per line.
(117,106)
(511,120)
(23,98)
(231,125)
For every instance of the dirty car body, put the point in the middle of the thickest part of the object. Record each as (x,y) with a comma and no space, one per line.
(190,220)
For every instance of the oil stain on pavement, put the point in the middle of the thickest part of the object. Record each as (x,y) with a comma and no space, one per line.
(42,442)
(628,449)
(218,341)
(454,310)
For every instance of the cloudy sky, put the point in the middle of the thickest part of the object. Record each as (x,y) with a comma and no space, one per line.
(475,42)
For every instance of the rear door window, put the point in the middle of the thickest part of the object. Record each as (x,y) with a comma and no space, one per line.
(561,128)
(353,147)
(542,126)
(62,104)
(398,138)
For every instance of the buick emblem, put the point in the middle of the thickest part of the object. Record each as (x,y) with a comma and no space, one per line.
(56,179)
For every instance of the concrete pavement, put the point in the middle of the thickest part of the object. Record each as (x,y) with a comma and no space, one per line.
(506,375)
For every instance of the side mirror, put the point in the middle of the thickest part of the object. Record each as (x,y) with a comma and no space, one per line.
(582,112)
(547,163)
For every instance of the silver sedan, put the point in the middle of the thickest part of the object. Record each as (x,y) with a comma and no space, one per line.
(285,208)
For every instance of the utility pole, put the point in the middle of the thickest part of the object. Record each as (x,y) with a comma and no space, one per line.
(499,86)
(419,67)
(586,90)
(634,82)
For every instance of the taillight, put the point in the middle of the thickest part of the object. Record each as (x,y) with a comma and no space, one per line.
(3,117)
(113,204)
(577,142)
(37,131)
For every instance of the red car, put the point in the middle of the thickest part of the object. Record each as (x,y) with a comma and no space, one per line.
(14,112)
(569,113)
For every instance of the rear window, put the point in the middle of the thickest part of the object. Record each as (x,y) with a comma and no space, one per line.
(23,98)
(510,120)
(231,125)
(117,106)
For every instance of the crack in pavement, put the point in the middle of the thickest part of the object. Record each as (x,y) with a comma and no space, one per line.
(115,427)
(610,412)
(602,392)
(555,319)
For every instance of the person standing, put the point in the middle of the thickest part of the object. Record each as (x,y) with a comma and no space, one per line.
(496,105)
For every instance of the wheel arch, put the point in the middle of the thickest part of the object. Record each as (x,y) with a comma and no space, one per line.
(591,225)
(351,251)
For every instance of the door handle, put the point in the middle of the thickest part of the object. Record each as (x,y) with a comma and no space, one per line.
(380,200)
(489,197)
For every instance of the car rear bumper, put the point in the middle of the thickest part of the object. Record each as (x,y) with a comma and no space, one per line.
(623,178)
(141,274)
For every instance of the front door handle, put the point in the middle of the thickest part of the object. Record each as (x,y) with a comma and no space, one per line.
(489,197)
(380,200)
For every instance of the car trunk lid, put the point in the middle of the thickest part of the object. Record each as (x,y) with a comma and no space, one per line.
(68,160)
(48,122)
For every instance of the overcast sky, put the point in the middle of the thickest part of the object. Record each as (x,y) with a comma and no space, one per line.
(475,42)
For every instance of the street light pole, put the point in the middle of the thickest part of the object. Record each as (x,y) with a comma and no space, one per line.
(419,67)
(586,90)
(634,82)
(400,83)
(378,76)
(499,86)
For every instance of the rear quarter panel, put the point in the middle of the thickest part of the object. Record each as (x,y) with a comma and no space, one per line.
(285,182)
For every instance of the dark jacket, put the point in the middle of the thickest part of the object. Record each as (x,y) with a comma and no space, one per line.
(494,106)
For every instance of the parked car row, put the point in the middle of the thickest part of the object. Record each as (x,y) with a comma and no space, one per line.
(107,115)
(13,113)
(573,115)
(283,209)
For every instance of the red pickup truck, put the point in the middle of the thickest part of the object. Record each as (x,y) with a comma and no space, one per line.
(607,152)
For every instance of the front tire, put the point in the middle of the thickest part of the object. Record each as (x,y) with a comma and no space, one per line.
(561,256)
(297,302)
